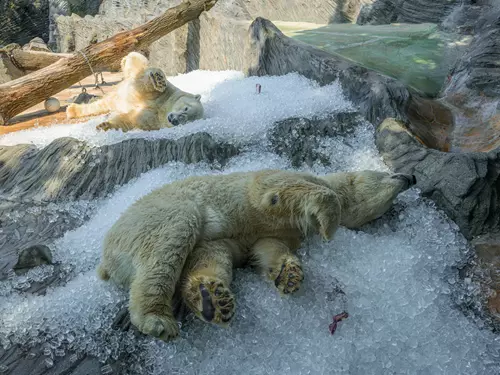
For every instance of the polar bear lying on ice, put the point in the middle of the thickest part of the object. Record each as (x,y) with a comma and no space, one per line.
(192,233)
(143,100)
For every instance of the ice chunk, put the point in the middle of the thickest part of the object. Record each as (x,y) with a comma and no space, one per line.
(106,370)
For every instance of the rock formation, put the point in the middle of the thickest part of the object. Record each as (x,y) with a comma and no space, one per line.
(409,11)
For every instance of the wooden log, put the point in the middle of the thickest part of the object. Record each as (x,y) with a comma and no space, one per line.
(31,60)
(25,92)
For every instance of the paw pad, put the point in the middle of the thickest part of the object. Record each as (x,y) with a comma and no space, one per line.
(214,302)
(290,277)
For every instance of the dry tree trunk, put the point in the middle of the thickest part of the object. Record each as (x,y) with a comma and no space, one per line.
(32,60)
(20,94)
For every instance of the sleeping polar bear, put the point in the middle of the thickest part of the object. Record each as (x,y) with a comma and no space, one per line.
(143,100)
(193,232)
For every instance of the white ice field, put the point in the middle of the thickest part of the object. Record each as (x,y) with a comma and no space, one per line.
(397,274)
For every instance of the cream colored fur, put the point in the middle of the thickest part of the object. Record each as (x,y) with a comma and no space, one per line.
(367,195)
(143,100)
(193,232)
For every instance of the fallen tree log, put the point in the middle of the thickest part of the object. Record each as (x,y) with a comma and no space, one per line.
(25,92)
(31,60)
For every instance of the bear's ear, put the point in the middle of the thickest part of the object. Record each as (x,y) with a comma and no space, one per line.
(197,97)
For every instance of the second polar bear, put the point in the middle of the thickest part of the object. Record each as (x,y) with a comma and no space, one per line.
(143,100)
(192,233)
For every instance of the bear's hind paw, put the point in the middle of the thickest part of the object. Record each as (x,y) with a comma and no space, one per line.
(211,300)
(289,277)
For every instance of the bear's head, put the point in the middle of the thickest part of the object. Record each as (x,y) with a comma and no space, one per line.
(187,108)
(296,200)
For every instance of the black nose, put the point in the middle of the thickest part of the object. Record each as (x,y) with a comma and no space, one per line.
(414,179)
(169,117)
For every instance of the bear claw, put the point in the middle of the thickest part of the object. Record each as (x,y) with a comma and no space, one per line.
(106,125)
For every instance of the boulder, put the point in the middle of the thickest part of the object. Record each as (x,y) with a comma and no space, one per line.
(463,185)
(315,11)
(36,44)
(298,139)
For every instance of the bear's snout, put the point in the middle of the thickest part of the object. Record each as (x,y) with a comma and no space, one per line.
(410,179)
(172,119)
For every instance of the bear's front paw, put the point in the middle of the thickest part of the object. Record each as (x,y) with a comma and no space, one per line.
(210,300)
(289,276)
(72,111)
(104,126)
(162,327)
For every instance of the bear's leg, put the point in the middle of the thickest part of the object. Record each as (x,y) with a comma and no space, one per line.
(276,261)
(207,276)
(137,119)
(99,107)
(157,275)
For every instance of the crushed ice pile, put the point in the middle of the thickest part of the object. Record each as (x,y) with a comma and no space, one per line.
(396,277)
(232,109)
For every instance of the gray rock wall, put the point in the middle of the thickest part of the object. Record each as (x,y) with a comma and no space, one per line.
(408,11)
(316,11)
(214,42)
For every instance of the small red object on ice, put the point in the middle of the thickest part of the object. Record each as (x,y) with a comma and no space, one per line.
(337,318)
(258,88)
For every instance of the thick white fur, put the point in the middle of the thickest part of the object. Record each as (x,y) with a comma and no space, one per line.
(145,99)
(366,195)
(194,231)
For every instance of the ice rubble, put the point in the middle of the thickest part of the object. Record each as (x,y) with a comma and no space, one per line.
(396,274)
(233,110)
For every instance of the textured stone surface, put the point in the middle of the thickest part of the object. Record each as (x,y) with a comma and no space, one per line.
(23,20)
(409,11)
(298,138)
(474,80)
(213,42)
(464,185)
(317,11)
